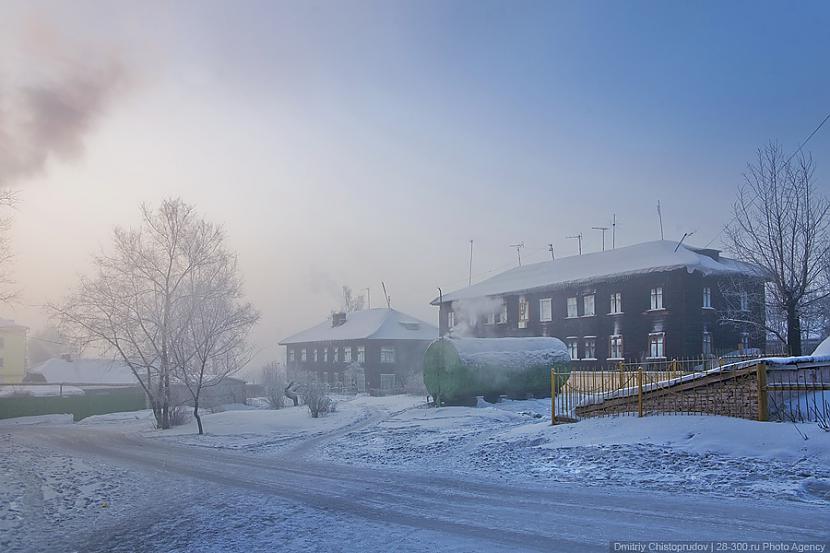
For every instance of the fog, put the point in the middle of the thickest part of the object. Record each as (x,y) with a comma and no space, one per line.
(353,146)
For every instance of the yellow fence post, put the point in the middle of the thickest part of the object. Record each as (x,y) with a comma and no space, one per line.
(622,383)
(763,409)
(640,392)
(552,397)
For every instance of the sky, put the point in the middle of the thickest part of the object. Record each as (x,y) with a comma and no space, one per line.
(354,143)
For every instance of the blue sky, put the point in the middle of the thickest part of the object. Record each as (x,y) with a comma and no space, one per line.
(354,142)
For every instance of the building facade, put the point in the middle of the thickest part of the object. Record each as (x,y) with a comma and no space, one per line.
(12,352)
(375,350)
(651,301)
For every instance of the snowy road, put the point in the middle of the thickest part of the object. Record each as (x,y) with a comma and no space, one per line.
(200,499)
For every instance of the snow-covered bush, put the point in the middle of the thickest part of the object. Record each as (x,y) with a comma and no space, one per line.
(314,396)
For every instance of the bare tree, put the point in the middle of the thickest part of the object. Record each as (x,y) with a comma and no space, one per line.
(272,378)
(8,198)
(212,326)
(780,225)
(133,304)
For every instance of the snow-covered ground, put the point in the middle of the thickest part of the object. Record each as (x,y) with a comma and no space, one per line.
(513,440)
(383,471)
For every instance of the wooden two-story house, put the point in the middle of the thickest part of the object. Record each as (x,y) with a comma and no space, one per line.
(655,300)
(374,349)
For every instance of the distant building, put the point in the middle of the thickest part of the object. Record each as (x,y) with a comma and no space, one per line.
(649,301)
(374,349)
(12,352)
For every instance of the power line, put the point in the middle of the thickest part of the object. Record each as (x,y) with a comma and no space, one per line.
(804,143)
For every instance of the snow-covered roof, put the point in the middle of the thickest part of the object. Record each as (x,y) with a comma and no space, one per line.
(647,257)
(85,371)
(369,324)
(9,324)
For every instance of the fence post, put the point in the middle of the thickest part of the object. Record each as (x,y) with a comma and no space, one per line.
(640,392)
(763,408)
(622,383)
(552,397)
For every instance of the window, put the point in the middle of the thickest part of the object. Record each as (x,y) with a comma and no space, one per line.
(657,298)
(347,355)
(325,355)
(387,382)
(707,297)
(572,308)
(387,355)
(588,306)
(707,343)
(450,320)
(615,347)
(335,354)
(303,355)
(361,354)
(545,313)
(290,355)
(502,318)
(572,347)
(590,351)
(616,302)
(524,312)
(744,301)
(491,318)
(744,341)
(325,377)
(657,345)
(316,357)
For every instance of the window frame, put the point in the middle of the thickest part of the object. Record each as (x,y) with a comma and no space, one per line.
(384,355)
(611,347)
(616,303)
(572,343)
(548,302)
(575,305)
(593,302)
(523,312)
(592,340)
(657,299)
(707,297)
(661,347)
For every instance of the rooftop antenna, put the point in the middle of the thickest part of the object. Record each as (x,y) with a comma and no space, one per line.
(603,229)
(388,299)
(660,218)
(368,298)
(578,237)
(518,247)
(470,279)
(550,249)
(685,235)
(614,231)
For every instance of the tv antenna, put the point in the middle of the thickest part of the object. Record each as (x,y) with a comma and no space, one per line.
(614,231)
(518,247)
(685,235)
(603,229)
(577,237)
(388,299)
(470,279)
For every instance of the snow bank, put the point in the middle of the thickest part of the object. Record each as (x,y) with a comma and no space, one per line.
(38,419)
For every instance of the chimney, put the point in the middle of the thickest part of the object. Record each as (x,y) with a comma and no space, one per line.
(338,318)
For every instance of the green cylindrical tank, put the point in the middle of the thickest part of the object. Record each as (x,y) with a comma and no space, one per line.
(457,370)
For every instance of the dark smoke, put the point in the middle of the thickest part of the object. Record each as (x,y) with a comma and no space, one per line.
(50,119)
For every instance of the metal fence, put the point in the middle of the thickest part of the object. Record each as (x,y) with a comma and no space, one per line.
(750,388)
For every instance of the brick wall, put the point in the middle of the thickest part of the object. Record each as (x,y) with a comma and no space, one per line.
(729,393)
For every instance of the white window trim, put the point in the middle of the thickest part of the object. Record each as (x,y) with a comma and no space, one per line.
(611,312)
(594,314)
(549,302)
(568,310)
(663,334)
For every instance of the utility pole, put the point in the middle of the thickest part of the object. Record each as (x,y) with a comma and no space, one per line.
(470,280)
(388,299)
(368,298)
(660,218)
(603,229)
(614,231)
(518,247)
(550,249)
(578,237)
